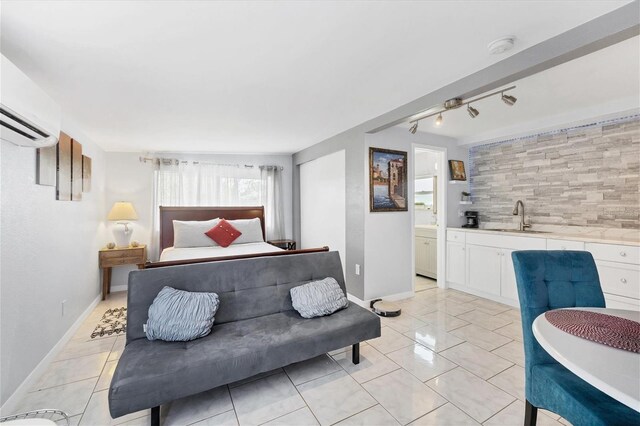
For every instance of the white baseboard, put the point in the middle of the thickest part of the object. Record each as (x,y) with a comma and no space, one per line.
(12,402)
(390,298)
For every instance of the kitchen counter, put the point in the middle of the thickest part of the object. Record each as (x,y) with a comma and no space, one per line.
(630,237)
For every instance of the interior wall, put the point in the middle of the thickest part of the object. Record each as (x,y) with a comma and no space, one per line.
(130,180)
(49,254)
(388,235)
(322,203)
(582,176)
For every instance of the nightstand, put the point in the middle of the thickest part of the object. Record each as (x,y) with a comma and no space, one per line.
(117,257)
(283,244)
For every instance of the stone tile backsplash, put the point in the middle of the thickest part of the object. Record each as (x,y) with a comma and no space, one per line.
(587,176)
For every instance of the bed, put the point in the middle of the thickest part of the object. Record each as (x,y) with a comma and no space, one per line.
(171,256)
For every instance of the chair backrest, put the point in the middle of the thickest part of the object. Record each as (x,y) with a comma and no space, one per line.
(551,280)
(248,288)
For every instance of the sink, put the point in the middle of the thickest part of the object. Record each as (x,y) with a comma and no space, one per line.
(517,230)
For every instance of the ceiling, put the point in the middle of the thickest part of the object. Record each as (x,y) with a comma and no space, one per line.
(258,76)
(603,83)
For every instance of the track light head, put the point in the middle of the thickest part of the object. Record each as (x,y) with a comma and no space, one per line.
(414,128)
(439,120)
(473,113)
(508,99)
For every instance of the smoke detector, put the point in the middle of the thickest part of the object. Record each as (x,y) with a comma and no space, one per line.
(501,45)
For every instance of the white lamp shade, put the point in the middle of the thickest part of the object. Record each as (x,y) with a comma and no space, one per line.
(122,210)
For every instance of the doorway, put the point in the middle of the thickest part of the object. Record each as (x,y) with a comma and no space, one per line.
(428,217)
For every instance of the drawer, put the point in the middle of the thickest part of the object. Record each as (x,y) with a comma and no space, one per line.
(426,232)
(511,242)
(457,236)
(117,254)
(614,253)
(121,261)
(621,280)
(565,245)
(618,302)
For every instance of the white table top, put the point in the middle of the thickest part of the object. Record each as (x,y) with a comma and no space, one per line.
(614,371)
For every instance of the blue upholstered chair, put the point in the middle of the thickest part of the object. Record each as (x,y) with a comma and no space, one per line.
(551,280)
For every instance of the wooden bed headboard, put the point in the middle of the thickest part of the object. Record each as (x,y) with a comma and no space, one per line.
(169,214)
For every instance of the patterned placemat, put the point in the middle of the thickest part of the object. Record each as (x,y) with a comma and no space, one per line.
(620,333)
(114,321)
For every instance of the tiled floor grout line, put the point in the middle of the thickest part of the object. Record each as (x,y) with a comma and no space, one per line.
(233,403)
(300,393)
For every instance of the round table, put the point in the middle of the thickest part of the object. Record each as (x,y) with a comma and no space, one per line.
(614,371)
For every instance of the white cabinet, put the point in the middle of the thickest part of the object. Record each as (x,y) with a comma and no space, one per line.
(426,256)
(508,286)
(456,263)
(480,263)
(426,249)
(619,271)
(483,269)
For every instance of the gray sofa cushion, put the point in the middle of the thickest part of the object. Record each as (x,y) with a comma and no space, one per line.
(318,298)
(158,372)
(180,316)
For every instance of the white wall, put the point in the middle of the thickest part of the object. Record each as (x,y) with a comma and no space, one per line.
(130,180)
(322,203)
(49,253)
(388,235)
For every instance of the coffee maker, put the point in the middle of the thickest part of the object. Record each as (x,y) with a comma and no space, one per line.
(472,219)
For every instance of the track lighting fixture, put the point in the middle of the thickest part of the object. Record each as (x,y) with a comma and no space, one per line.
(509,100)
(456,103)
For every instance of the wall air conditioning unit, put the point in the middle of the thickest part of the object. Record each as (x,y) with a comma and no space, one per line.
(28,116)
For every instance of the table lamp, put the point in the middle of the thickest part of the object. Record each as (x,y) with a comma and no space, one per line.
(122,212)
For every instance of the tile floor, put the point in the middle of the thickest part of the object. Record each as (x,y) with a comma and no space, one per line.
(424,283)
(450,359)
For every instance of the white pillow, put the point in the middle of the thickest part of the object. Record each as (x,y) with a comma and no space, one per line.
(191,233)
(250,228)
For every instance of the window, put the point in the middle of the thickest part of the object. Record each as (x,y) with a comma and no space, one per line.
(424,192)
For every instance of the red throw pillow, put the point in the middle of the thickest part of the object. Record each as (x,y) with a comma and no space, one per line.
(223,233)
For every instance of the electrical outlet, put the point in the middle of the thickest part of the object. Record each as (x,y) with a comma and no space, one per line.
(460,213)
(64,302)
(357,269)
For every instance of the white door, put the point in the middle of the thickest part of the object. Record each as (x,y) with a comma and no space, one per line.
(322,203)
(508,287)
(484,268)
(456,263)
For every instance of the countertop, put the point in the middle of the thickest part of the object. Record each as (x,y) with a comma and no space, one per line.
(629,237)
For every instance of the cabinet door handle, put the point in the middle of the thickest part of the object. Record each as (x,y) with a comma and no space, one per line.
(623,280)
(623,254)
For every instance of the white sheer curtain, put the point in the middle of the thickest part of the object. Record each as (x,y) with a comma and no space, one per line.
(271,199)
(203,184)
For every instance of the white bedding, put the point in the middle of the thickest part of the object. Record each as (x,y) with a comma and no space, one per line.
(172,253)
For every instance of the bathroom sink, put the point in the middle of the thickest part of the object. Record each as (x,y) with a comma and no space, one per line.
(517,230)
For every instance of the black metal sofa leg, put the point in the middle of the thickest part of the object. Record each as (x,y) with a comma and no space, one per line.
(530,414)
(355,354)
(155,416)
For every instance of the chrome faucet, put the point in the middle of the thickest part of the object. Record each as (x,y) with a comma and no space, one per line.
(522,224)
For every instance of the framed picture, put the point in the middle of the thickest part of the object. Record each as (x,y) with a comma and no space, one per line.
(86,174)
(63,178)
(387,180)
(46,166)
(456,169)
(76,170)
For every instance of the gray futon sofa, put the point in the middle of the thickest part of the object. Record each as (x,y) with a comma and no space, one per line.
(255,330)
